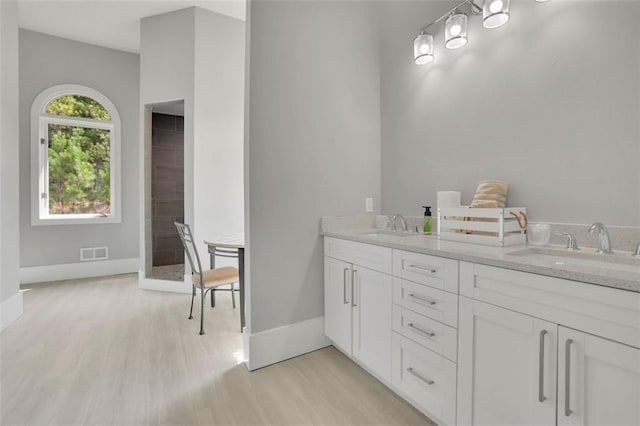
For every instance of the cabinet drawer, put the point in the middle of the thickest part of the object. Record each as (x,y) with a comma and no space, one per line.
(431,302)
(431,334)
(433,271)
(427,379)
(603,311)
(373,257)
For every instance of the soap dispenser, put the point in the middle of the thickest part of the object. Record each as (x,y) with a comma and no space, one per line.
(427,220)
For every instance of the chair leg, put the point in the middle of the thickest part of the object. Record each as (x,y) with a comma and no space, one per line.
(233,295)
(213,297)
(202,311)
(193,295)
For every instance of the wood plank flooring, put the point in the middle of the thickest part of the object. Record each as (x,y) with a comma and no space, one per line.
(102,351)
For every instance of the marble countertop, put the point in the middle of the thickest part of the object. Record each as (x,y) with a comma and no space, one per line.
(498,256)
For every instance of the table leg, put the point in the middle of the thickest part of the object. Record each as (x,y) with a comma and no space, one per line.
(241,285)
(212,263)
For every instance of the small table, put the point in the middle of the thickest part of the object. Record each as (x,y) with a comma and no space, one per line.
(230,246)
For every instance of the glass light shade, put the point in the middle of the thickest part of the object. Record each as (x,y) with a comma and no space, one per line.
(455,31)
(423,49)
(495,13)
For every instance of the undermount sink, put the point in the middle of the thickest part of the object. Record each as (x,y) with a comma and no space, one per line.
(558,257)
(388,233)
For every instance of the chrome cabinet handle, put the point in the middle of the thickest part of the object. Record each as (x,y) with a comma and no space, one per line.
(541,397)
(567,377)
(422,268)
(420,330)
(420,376)
(422,299)
(354,280)
(345,293)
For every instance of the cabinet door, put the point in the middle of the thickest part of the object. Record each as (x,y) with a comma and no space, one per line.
(506,367)
(372,320)
(337,302)
(598,381)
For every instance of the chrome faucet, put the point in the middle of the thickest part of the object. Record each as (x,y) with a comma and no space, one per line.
(402,221)
(604,241)
(571,241)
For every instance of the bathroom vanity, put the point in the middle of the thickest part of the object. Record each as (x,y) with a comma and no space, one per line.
(484,335)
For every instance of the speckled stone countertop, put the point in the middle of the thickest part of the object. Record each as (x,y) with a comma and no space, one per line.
(362,229)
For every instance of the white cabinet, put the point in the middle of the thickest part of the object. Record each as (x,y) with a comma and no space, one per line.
(513,348)
(425,338)
(506,367)
(431,302)
(433,335)
(514,368)
(372,320)
(337,302)
(434,271)
(357,315)
(598,381)
(425,378)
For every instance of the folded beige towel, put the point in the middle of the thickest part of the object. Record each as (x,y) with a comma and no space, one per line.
(489,194)
(491,191)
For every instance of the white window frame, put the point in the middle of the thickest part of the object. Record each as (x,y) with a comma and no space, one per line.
(39,155)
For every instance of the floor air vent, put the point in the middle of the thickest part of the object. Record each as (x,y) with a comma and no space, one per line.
(94,253)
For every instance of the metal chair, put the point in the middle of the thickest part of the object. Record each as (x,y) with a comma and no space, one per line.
(205,280)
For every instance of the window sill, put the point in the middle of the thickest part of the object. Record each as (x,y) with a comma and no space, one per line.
(75,219)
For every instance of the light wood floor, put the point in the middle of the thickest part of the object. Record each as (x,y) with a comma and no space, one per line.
(101,351)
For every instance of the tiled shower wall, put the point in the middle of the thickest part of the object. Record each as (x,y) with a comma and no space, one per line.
(167,187)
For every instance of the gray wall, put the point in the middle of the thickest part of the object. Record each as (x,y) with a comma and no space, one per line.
(9,238)
(47,61)
(548,103)
(314,141)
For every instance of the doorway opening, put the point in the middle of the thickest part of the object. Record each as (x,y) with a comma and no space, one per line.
(165,259)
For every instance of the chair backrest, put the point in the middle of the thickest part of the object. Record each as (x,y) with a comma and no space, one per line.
(189,247)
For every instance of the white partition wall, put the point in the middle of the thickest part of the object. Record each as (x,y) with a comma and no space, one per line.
(218,166)
(200,61)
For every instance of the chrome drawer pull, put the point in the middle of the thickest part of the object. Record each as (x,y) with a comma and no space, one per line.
(422,299)
(419,330)
(567,378)
(345,293)
(541,397)
(354,280)
(420,376)
(423,268)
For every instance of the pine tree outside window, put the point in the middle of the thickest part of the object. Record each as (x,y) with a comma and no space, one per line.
(75,157)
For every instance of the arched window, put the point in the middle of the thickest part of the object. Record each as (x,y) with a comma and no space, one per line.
(75,157)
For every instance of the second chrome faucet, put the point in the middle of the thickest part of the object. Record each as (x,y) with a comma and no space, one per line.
(604,241)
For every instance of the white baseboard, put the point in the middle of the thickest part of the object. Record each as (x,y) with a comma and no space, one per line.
(69,271)
(278,344)
(145,283)
(10,310)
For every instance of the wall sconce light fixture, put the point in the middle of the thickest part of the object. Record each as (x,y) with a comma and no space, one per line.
(455,31)
(495,13)
(423,49)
